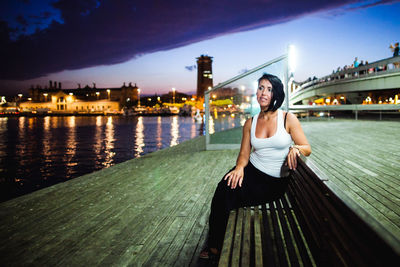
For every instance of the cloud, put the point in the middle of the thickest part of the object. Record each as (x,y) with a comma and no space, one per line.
(94,32)
(191,68)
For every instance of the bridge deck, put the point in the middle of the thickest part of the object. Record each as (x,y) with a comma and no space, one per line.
(153,210)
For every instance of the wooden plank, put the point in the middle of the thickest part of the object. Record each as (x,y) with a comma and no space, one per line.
(304,254)
(224,259)
(237,243)
(270,254)
(258,255)
(246,251)
(286,234)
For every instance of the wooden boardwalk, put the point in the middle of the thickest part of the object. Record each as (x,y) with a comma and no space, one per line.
(153,211)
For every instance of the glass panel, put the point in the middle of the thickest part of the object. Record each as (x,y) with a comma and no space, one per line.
(232,102)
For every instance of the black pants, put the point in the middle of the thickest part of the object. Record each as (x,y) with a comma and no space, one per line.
(257,188)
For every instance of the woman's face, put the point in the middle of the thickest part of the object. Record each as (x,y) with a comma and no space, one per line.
(264,93)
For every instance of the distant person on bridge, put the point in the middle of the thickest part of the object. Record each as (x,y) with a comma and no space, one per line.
(395,49)
(356,63)
(256,179)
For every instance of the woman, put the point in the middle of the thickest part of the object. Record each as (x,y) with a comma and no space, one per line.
(256,177)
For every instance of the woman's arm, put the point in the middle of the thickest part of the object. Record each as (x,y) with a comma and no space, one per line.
(235,177)
(301,144)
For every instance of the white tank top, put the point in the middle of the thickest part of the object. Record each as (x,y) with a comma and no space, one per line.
(269,154)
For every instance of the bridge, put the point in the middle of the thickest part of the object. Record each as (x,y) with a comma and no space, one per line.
(367,87)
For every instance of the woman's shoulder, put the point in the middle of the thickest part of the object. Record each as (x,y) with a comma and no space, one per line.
(289,115)
(248,123)
(291,119)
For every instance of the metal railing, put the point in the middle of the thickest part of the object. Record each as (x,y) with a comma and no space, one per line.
(380,67)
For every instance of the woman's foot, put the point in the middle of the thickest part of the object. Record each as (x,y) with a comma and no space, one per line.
(208,253)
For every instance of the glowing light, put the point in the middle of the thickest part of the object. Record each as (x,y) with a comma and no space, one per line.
(71,93)
(327,100)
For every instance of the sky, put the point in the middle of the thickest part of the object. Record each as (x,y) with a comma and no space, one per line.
(154,44)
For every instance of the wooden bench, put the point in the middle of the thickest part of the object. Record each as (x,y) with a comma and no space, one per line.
(314,224)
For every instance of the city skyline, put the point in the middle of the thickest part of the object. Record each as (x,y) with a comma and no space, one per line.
(326,36)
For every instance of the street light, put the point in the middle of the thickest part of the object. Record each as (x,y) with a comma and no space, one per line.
(173,95)
(97,93)
(108,92)
(45,95)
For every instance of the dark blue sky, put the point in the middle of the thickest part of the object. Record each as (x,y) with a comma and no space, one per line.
(152,42)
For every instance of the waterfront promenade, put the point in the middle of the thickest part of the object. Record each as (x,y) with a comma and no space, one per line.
(153,210)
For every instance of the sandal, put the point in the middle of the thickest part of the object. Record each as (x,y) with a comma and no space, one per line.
(207,254)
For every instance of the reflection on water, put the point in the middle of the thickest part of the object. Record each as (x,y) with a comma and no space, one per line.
(159,133)
(70,146)
(174,131)
(211,124)
(139,140)
(36,152)
(109,145)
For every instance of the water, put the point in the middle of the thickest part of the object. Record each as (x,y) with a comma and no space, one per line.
(36,152)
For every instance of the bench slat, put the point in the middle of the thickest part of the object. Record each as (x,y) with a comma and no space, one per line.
(279,241)
(305,255)
(257,238)
(289,241)
(246,251)
(270,256)
(224,260)
(237,242)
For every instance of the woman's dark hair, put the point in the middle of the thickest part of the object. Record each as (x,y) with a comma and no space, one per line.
(278,95)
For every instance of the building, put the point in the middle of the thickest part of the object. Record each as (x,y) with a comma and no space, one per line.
(80,100)
(204,75)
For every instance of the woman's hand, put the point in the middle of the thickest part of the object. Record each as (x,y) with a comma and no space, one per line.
(235,177)
(292,157)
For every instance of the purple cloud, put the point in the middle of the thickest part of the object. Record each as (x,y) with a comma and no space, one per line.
(97,32)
